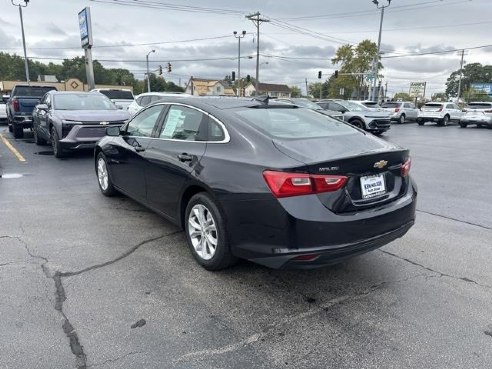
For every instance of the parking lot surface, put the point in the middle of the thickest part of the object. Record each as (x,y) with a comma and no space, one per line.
(88,281)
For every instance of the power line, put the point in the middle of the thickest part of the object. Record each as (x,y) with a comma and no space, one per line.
(437,52)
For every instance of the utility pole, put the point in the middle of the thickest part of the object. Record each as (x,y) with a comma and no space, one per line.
(239,37)
(148,72)
(461,74)
(307,92)
(26,64)
(375,65)
(257,20)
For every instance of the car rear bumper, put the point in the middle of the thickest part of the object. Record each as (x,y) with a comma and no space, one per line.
(23,120)
(485,121)
(276,233)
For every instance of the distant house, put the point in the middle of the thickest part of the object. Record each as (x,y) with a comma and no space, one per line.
(270,89)
(208,87)
(47,78)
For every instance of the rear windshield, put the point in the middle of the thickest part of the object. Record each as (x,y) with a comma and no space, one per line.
(432,105)
(371,104)
(479,105)
(82,102)
(118,94)
(391,105)
(295,123)
(32,91)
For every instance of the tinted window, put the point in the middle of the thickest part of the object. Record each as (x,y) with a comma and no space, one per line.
(118,94)
(143,124)
(336,107)
(391,105)
(145,100)
(479,105)
(450,106)
(32,91)
(183,123)
(294,123)
(85,101)
(215,132)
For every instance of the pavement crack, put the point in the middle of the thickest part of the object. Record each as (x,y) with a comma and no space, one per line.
(439,274)
(287,321)
(454,219)
(116,359)
(122,256)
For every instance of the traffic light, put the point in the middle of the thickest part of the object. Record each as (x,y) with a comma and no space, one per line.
(160,69)
(169,67)
(336,74)
(233,76)
(248,78)
(319,74)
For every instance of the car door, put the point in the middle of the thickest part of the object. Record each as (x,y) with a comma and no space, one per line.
(174,157)
(410,111)
(127,158)
(41,117)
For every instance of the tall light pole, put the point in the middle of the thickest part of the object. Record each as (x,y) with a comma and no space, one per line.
(239,37)
(26,64)
(148,73)
(461,75)
(375,65)
(255,18)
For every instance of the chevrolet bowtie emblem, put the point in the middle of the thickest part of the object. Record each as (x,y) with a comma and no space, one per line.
(380,164)
(104,123)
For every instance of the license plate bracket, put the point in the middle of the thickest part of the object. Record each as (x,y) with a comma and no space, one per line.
(373,185)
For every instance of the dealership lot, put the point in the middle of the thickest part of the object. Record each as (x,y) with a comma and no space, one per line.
(103,282)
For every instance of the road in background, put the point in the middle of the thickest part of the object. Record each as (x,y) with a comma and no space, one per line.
(103,282)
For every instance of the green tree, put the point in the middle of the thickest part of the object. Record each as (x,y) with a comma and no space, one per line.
(402,96)
(472,73)
(355,63)
(439,96)
(295,91)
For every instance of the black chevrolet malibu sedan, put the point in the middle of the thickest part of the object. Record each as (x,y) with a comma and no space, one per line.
(279,185)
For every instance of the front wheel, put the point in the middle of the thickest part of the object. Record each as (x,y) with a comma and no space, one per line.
(55,143)
(206,235)
(402,119)
(357,123)
(445,121)
(463,125)
(38,140)
(103,177)
(420,122)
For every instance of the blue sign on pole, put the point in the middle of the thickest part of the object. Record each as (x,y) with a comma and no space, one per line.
(85,27)
(483,87)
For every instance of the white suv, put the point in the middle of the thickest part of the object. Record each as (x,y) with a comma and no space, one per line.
(440,112)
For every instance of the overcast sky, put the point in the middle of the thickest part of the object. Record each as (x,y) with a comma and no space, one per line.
(299,40)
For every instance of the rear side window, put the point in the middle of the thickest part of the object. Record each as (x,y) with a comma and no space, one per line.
(184,123)
(294,123)
(118,94)
(450,106)
(479,106)
(391,105)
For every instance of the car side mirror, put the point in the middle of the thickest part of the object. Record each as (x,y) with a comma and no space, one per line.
(114,131)
(42,107)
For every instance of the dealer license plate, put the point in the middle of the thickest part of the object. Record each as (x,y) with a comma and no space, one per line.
(372,185)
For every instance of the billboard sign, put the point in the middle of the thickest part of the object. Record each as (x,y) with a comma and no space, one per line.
(417,89)
(85,27)
(482,87)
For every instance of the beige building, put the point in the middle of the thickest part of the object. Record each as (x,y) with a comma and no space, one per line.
(208,87)
(72,84)
(270,89)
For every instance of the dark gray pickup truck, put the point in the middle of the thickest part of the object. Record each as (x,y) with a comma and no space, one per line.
(20,105)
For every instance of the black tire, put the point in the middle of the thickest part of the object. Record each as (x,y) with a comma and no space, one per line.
(401,120)
(357,123)
(378,133)
(17,130)
(56,145)
(103,176)
(38,140)
(420,122)
(221,257)
(479,126)
(9,123)
(463,125)
(445,121)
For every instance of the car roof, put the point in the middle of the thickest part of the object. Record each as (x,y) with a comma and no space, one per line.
(218,103)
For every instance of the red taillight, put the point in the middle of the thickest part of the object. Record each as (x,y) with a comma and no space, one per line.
(283,184)
(307,257)
(397,110)
(405,167)
(16,105)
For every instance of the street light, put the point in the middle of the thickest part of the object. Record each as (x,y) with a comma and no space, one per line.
(26,64)
(375,64)
(239,37)
(148,73)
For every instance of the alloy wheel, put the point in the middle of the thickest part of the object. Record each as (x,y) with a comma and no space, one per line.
(102,174)
(202,231)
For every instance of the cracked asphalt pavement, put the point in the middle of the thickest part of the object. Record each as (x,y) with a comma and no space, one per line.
(94,282)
